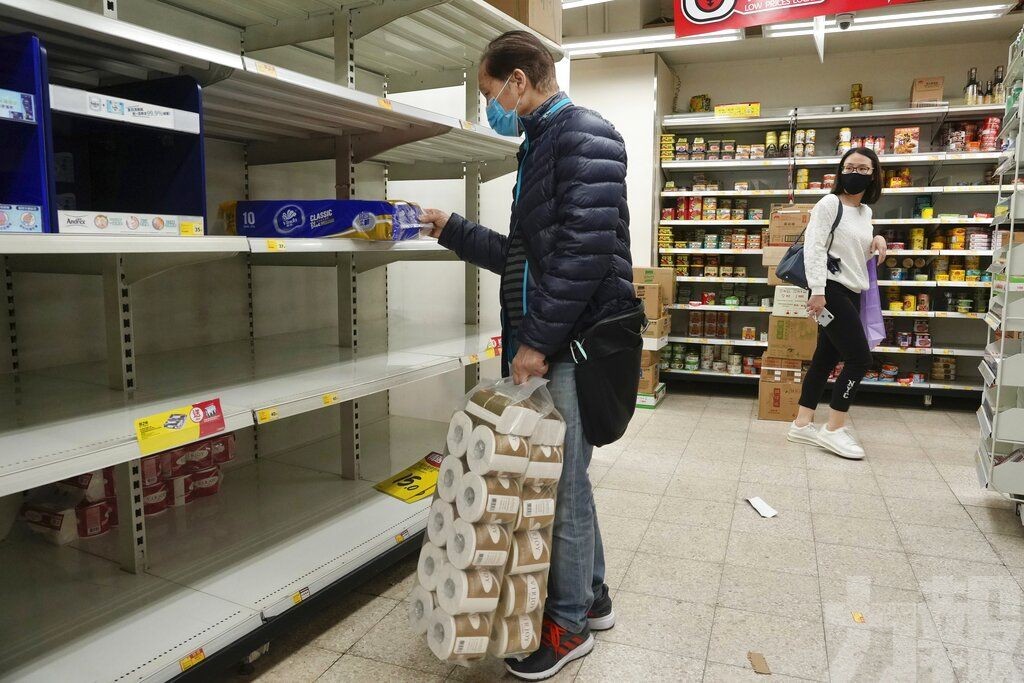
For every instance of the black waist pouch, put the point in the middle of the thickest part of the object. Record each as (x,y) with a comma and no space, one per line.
(607,358)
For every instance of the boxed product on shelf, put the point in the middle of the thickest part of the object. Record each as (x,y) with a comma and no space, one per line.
(792,338)
(665,277)
(21,218)
(649,380)
(787,222)
(117,223)
(907,140)
(650,294)
(656,329)
(314,218)
(651,401)
(927,89)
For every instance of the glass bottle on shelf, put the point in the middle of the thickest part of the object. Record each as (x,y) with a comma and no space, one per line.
(998,89)
(972,88)
(986,97)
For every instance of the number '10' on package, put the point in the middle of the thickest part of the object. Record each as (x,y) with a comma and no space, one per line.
(354,218)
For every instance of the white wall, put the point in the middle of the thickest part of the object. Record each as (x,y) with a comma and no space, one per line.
(623,90)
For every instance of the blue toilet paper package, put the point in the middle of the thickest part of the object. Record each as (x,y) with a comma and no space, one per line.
(353,218)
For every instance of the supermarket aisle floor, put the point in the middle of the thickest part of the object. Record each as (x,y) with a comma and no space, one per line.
(897,568)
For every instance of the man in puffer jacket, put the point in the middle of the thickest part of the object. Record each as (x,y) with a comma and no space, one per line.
(564,266)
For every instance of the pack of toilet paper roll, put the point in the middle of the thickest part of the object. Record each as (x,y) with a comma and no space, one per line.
(483,569)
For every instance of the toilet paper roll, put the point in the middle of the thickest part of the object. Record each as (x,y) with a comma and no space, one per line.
(500,411)
(439,521)
(494,500)
(428,569)
(421,607)
(550,431)
(531,552)
(497,454)
(463,591)
(545,463)
(459,429)
(458,637)
(515,635)
(522,594)
(449,479)
(537,509)
(479,545)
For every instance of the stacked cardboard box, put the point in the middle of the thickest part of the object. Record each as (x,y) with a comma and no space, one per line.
(657,288)
(543,16)
(792,339)
(785,226)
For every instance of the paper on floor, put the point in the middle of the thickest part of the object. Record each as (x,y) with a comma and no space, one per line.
(763,508)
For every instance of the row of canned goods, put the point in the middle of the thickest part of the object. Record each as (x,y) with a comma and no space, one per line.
(695,265)
(709,358)
(737,238)
(711,209)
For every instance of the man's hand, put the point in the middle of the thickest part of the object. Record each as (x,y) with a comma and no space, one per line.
(528,363)
(437,220)
(879,245)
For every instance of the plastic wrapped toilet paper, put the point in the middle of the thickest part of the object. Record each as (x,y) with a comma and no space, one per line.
(459,430)
(545,463)
(497,454)
(458,637)
(428,569)
(522,594)
(503,413)
(180,490)
(515,635)
(91,486)
(494,500)
(439,521)
(479,545)
(531,552)
(550,431)
(421,607)
(538,508)
(463,591)
(449,478)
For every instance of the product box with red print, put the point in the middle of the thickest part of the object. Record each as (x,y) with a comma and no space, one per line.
(906,140)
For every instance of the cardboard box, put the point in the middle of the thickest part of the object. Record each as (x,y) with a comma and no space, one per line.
(649,380)
(790,302)
(906,140)
(927,89)
(773,279)
(772,364)
(772,256)
(650,358)
(792,338)
(664,277)
(543,16)
(658,328)
(651,401)
(787,222)
(654,307)
(778,395)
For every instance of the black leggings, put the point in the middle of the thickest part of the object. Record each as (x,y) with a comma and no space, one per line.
(843,339)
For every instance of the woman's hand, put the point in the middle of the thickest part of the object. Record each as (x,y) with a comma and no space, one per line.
(528,363)
(879,246)
(815,305)
(437,219)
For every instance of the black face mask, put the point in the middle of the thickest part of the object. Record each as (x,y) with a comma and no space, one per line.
(855,183)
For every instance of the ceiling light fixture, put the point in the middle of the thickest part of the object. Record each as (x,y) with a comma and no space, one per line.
(899,20)
(648,40)
(573,4)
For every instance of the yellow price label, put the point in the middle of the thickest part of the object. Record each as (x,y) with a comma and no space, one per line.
(385,103)
(267,415)
(472,359)
(331,399)
(191,229)
(178,426)
(266,69)
(191,659)
(414,483)
(858,617)
(300,596)
(466,125)
(275,245)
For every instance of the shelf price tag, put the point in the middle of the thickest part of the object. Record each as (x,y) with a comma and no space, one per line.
(331,398)
(191,229)
(267,415)
(466,125)
(266,69)
(385,103)
(414,483)
(300,596)
(275,245)
(191,659)
(740,110)
(179,426)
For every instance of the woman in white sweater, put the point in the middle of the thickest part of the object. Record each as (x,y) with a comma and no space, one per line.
(836,267)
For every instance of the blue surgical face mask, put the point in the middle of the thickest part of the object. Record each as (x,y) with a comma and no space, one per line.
(503,122)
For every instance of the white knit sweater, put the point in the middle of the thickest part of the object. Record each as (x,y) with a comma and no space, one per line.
(852,245)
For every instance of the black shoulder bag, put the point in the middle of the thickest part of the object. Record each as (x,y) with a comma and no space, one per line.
(792,269)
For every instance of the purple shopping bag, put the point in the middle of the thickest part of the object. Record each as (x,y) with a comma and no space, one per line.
(871,308)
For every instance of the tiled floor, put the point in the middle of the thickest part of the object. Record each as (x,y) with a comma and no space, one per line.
(906,538)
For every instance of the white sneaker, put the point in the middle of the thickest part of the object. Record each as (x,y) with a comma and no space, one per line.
(841,442)
(806,434)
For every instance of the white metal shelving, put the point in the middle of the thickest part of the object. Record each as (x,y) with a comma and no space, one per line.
(928,189)
(825,117)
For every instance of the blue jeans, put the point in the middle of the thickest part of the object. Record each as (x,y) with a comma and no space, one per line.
(577,555)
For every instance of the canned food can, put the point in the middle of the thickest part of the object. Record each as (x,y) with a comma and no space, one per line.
(924,302)
(810,135)
(803,175)
(844,147)
(801,136)
(845,135)
(909,302)
(798,149)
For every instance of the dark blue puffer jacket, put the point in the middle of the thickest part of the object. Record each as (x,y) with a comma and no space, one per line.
(572,211)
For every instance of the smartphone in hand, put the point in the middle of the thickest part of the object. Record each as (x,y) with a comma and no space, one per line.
(824,318)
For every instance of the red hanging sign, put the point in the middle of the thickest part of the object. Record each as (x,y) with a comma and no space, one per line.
(694,17)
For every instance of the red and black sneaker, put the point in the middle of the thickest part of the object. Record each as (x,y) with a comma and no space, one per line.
(601,617)
(558,647)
